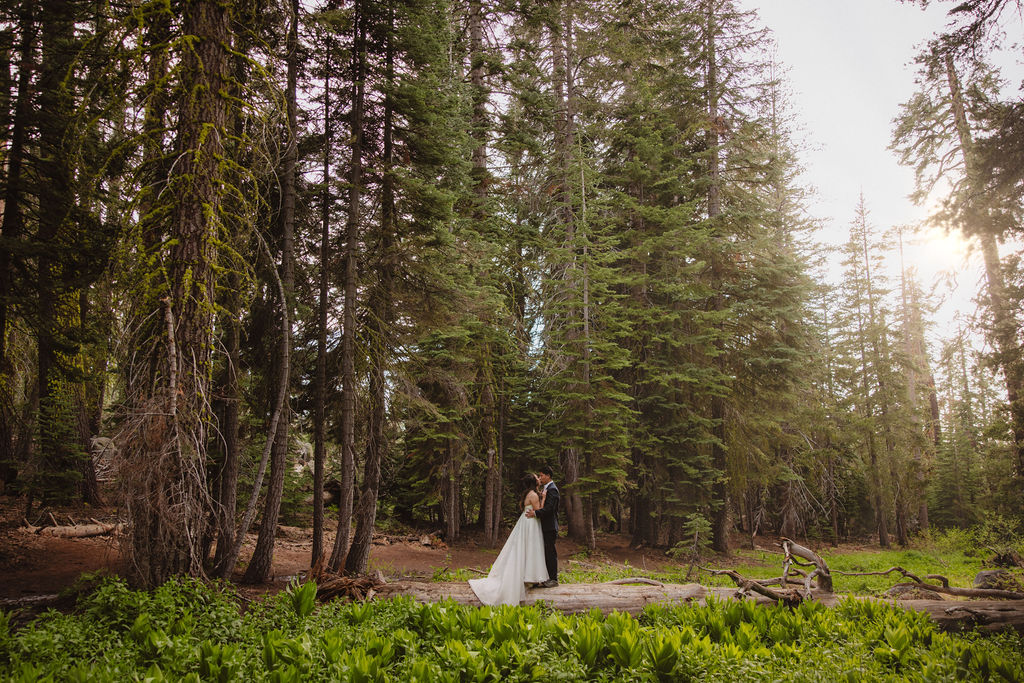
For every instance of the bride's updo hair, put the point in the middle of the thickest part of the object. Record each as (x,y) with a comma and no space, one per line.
(529,483)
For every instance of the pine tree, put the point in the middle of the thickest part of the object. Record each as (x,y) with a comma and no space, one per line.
(169,501)
(935,134)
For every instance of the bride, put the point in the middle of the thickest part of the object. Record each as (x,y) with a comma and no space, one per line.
(521,560)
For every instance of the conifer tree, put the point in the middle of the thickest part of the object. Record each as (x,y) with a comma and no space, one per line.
(935,134)
(169,501)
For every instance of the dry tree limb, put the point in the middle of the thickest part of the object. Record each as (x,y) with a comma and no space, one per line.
(31,601)
(635,579)
(789,596)
(794,550)
(888,571)
(777,581)
(965,592)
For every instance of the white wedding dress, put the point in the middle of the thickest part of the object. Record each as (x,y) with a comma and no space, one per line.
(520,561)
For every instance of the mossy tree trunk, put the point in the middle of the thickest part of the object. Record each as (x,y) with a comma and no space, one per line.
(168,498)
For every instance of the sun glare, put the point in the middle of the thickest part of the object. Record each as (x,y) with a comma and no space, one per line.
(939,251)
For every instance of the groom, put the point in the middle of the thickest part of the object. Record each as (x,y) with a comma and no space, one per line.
(548,516)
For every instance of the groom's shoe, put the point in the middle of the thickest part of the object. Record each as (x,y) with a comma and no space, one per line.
(550,583)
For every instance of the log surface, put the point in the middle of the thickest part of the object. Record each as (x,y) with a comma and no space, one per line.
(576,598)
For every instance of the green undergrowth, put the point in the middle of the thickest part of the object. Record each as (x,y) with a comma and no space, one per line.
(188,631)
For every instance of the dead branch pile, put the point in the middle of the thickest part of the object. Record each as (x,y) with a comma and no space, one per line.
(331,586)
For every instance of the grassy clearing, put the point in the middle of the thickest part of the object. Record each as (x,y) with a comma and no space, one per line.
(959,560)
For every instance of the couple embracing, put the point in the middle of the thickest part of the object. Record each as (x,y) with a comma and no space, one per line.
(528,555)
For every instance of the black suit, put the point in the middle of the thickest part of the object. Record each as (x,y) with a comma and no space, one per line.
(548,516)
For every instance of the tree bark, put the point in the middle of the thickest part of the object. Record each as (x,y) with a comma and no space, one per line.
(320,396)
(259,567)
(565,104)
(168,500)
(348,343)
(881,512)
(230,400)
(379,333)
(11,229)
(719,489)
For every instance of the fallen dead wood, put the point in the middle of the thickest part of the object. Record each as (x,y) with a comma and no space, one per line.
(635,579)
(568,598)
(30,601)
(577,598)
(901,570)
(74,531)
(330,586)
(786,596)
(916,582)
(821,571)
(990,593)
(964,615)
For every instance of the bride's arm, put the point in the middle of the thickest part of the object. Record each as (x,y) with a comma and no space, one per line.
(532,499)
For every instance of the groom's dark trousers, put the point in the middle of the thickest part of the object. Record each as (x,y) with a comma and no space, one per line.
(549,527)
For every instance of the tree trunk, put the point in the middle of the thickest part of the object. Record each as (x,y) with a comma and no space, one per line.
(565,103)
(719,489)
(86,411)
(320,397)
(881,512)
(1005,330)
(579,598)
(259,567)
(348,343)
(379,332)
(450,493)
(230,400)
(167,498)
(13,222)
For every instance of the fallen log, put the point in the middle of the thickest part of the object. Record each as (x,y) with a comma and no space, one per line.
(75,531)
(30,601)
(964,615)
(568,598)
(577,598)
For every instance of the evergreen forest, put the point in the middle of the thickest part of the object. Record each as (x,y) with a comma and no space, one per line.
(394,254)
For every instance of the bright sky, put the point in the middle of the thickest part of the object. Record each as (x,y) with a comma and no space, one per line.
(850,66)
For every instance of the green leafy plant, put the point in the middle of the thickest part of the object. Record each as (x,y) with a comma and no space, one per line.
(303,597)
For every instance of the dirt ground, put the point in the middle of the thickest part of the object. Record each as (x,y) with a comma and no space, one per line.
(34,564)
